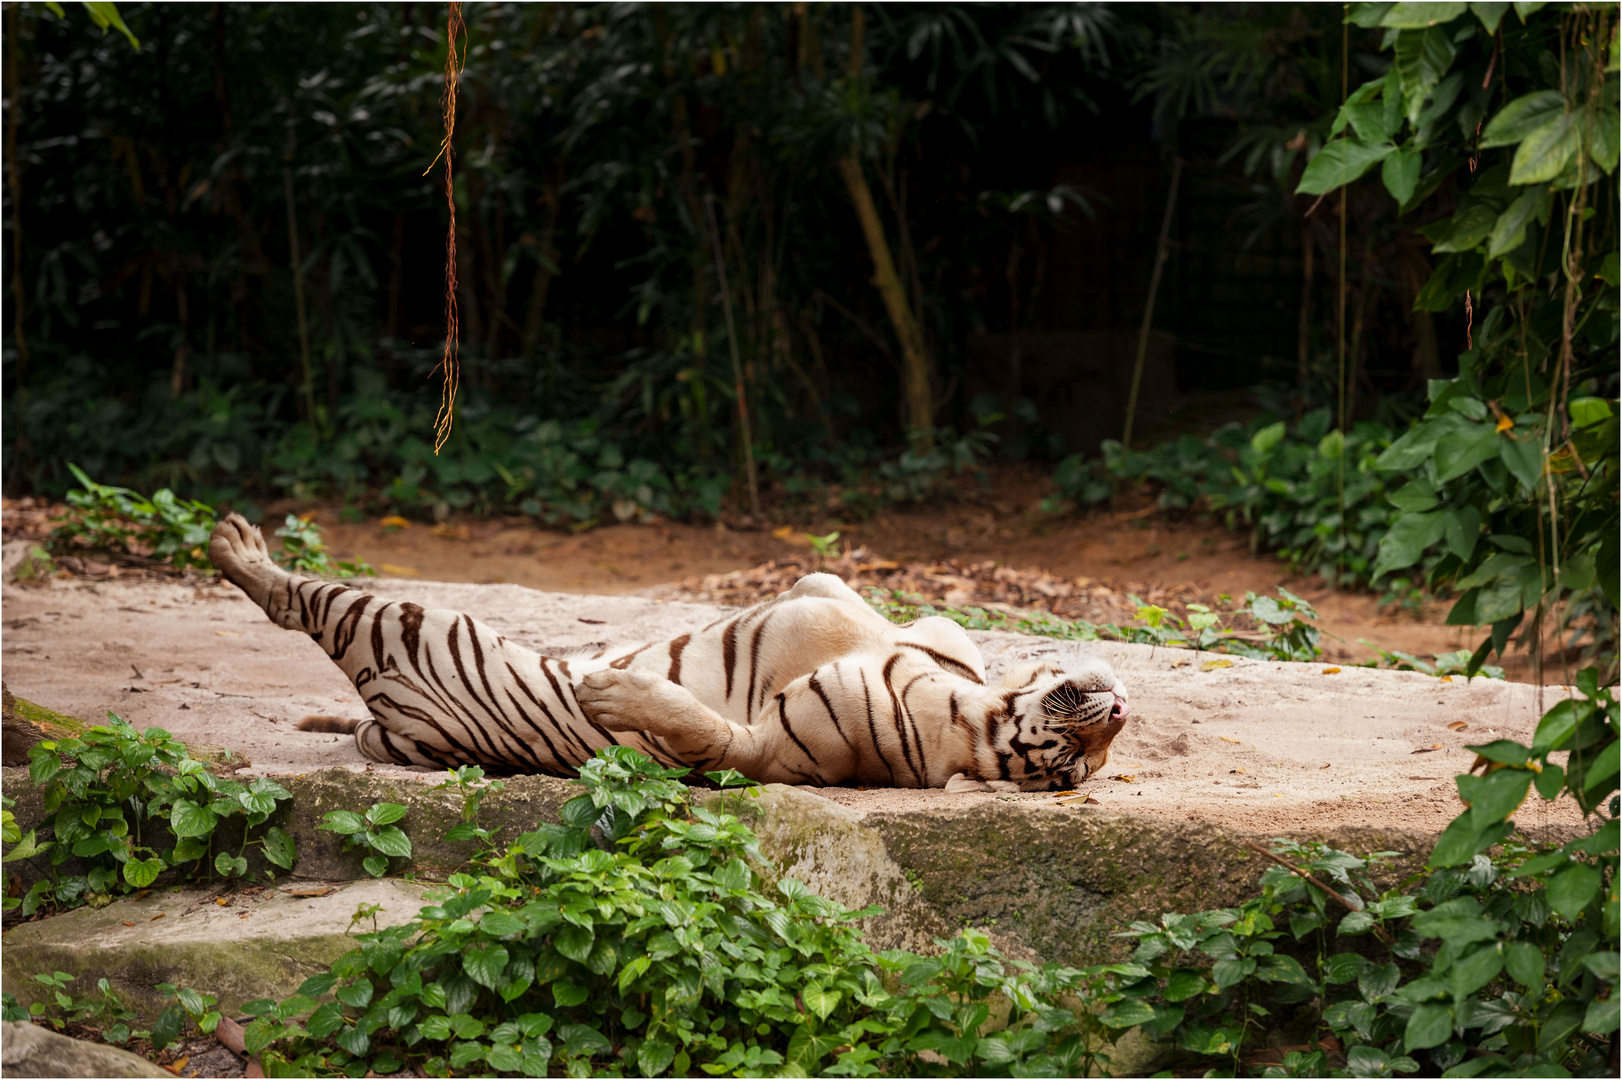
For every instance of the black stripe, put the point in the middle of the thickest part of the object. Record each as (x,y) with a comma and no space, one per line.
(729,653)
(676,648)
(816,688)
(956,667)
(782,718)
(625,660)
(872,728)
(917,739)
(754,663)
(899,720)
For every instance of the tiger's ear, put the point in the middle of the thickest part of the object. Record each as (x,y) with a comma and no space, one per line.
(960,783)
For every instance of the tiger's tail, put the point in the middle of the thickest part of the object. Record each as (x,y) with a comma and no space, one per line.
(328,725)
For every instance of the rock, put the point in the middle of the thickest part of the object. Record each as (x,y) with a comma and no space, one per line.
(28,1050)
(256,945)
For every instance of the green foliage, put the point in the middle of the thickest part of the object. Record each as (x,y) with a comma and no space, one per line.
(1499,964)
(469,781)
(374,832)
(304,553)
(1285,627)
(102,790)
(58,1008)
(638,937)
(120,521)
(1512,493)
(1287,487)
(183,1004)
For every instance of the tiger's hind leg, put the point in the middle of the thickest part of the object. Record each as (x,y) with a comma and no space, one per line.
(442,688)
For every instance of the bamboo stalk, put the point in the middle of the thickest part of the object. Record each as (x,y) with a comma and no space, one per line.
(737,363)
(1161,250)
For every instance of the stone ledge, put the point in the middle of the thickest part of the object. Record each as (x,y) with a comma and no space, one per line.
(255,945)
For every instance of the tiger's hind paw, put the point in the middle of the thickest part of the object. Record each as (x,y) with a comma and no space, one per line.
(238,550)
(622,700)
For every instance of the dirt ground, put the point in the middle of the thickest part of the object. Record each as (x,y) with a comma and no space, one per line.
(1130,552)
(1260,745)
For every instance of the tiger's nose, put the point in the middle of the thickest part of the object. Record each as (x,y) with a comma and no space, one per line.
(1121,709)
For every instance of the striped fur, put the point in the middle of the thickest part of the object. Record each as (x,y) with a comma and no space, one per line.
(813,687)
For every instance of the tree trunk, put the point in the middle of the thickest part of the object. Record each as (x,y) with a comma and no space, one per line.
(14,179)
(535,318)
(297,265)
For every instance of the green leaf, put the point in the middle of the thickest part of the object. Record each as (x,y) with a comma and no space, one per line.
(1571,889)
(1472,224)
(1343,967)
(142,872)
(186,818)
(1418,16)
(228,865)
(279,848)
(1131,1012)
(1339,163)
(1400,173)
(1555,728)
(1524,962)
(1524,460)
(166,1029)
(820,1000)
(1459,451)
(1493,798)
(568,994)
(389,840)
(1474,970)
(1358,922)
(343,822)
(376,865)
(1267,438)
(1408,540)
(1515,121)
(384,813)
(1430,1025)
(1423,56)
(1462,531)
(1509,231)
(485,964)
(574,941)
(1601,1018)
(1182,985)
(1544,153)
(1489,13)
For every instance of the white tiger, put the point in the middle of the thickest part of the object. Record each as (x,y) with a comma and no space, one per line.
(813,687)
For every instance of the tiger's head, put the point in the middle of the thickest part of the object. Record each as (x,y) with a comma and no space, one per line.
(1056,726)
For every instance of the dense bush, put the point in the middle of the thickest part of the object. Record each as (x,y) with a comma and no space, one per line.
(1308,492)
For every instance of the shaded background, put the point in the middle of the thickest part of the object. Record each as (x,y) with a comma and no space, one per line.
(1019,156)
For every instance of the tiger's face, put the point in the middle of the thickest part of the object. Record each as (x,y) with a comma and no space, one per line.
(1060,726)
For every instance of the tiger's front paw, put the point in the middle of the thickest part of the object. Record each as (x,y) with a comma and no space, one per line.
(622,700)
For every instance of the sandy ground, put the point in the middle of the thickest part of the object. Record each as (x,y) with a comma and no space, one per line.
(1264,746)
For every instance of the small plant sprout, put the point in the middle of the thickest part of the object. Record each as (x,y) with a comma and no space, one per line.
(374,832)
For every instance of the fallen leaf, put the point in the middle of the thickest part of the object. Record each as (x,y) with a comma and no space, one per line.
(1331,671)
(1240,769)
(222,901)
(1276,795)
(180,1063)
(158,916)
(1224,738)
(1212,665)
(1180,663)
(1325,765)
(1125,778)
(783,533)
(1446,678)
(226,633)
(1457,725)
(1092,802)
(1062,794)
(398,571)
(129,924)
(316,890)
(394,521)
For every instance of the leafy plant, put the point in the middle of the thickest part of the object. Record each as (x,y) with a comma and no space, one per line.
(1449,663)
(183,1004)
(304,553)
(469,781)
(103,788)
(122,522)
(58,1008)
(1513,476)
(1499,960)
(375,832)
(639,936)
